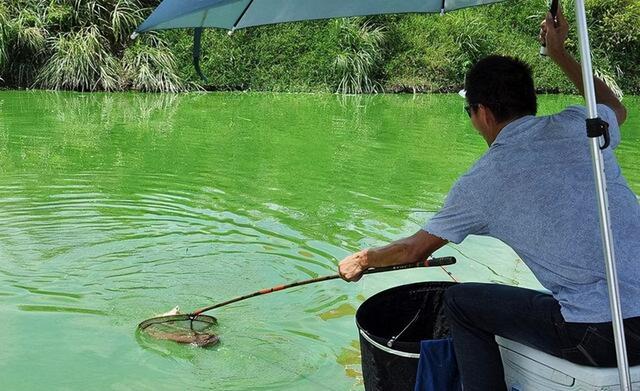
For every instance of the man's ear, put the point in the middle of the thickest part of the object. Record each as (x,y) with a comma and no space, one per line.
(486,115)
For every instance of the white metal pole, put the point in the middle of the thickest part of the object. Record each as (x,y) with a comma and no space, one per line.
(603,202)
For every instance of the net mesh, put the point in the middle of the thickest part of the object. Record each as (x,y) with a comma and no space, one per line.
(186,329)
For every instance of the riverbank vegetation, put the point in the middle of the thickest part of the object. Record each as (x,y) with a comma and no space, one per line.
(84,45)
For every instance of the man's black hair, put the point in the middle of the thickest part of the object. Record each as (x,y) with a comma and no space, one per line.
(504,85)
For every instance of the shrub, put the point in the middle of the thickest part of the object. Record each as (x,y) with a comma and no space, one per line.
(80,45)
(150,67)
(359,56)
(80,61)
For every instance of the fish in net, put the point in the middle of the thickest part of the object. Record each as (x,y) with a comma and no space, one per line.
(189,329)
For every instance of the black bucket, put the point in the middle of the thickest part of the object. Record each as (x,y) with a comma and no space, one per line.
(383,316)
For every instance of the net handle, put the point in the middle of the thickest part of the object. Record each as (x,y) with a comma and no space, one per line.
(442,261)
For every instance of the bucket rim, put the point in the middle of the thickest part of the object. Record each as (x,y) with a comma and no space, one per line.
(387,349)
(398,287)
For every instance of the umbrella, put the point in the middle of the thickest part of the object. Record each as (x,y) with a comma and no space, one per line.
(238,14)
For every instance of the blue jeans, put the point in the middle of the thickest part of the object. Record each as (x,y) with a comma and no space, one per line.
(478,312)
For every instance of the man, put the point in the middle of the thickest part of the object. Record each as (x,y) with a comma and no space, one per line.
(534,190)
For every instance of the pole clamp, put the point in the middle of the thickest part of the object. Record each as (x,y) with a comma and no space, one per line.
(597,127)
(197,44)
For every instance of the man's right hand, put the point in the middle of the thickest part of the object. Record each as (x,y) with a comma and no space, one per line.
(352,267)
(553,34)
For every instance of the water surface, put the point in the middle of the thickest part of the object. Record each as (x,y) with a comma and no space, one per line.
(116,207)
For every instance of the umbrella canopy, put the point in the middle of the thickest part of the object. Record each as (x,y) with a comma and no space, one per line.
(238,14)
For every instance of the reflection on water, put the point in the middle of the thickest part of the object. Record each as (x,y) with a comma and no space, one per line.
(349,358)
(115,207)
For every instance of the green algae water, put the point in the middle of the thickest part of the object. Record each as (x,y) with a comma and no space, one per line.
(117,207)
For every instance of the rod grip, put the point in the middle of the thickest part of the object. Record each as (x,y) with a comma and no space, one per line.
(443,261)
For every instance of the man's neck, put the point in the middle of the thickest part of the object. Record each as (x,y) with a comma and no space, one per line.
(495,130)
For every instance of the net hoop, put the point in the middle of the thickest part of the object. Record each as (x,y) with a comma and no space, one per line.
(178,318)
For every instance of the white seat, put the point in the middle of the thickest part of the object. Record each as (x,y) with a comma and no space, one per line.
(528,369)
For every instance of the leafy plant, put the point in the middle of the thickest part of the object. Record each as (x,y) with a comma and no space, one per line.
(23,43)
(30,34)
(615,28)
(80,61)
(359,57)
(4,27)
(58,16)
(81,45)
(610,81)
(124,17)
(151,67)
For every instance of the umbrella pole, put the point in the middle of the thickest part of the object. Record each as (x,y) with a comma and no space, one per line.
(603,202)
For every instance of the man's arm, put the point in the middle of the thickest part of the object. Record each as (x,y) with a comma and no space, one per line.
(411,249)
(555,36)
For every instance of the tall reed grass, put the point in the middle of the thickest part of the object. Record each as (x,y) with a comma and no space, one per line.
(80,61)
(359,57)
(82,45)
(150,67)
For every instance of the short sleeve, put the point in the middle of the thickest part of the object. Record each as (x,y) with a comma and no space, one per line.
(460,216)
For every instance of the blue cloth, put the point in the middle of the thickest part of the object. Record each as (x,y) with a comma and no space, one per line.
(534,190)
(437,368)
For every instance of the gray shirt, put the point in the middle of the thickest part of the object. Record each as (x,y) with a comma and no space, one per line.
(534,190)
